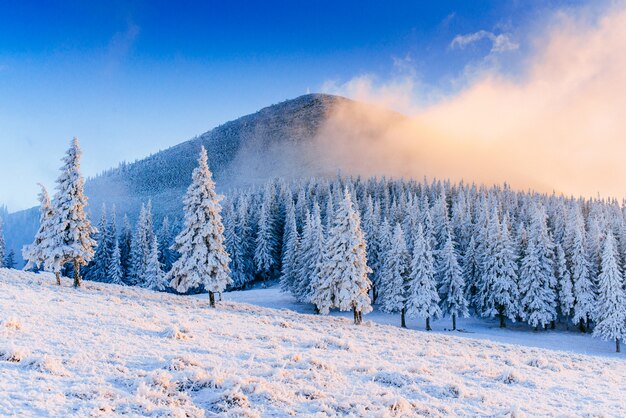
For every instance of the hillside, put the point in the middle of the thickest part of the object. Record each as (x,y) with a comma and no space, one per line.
(276,141)
(105,349)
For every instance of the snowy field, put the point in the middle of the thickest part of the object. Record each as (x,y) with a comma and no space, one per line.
(107,350)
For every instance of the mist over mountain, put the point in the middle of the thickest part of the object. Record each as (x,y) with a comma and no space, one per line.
(282,140)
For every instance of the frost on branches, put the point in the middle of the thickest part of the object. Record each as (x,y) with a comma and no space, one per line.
(203,257)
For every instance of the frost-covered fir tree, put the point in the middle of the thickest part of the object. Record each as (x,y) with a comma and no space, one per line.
(203,258)
(611,311)
(165,240)
(584,288)
(566,287)
(266,245)
(291,246)
(141,245)
(125,244)
(451,283)
(309,288)
(395,275)
(114,271)
(73,231)
(383,245)
(39,253)
(242,263)
(9,260)
(154,278)
(499,293)
(536,278)
(422,298)
(345,262)
(101,259)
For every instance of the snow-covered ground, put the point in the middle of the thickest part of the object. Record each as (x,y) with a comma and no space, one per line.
(110,350)
(565,337)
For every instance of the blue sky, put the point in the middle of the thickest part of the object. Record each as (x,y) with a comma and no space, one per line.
(132,77)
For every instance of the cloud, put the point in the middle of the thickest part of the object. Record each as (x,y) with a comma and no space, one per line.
(499,43)
(559,125)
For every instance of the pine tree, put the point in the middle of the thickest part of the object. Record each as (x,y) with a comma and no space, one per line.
(101,259)
(395,276)
(452,285)
(203,258)
(566,286)
(611,312)
(499,293)
(584,288)
(141,246)
(9,260)
(114,271)
(165,240)
(266,244)
(422,299)
(345,261)
(39,253)
(242,263)
(125,244)
(290,250)
(383,245)
(309,288)
(537,282)
(73,242)
(155,278)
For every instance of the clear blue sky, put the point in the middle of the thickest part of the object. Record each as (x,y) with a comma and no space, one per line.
(132,77)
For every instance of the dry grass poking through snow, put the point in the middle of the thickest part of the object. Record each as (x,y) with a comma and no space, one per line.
(110,350)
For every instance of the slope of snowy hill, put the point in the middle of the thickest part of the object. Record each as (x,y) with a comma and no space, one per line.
(106,350)
(249,150)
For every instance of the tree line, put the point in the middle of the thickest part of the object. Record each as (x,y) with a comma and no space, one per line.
(419,249)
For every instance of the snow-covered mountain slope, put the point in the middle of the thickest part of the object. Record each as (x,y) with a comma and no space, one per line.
(274,142)
(109,350)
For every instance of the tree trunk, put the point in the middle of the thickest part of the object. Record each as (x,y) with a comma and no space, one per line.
(617,346)
(354,314)
(502,320)
(58,276)
(453,322)
(357,316)
(212,299)
(428,328)
(374,295)
(76,274)
(581,326)
(552,325)
(360,317)
(402,319)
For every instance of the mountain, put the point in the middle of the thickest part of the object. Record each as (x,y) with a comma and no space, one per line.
(277,141)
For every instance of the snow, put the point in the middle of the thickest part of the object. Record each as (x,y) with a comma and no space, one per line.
(106,349)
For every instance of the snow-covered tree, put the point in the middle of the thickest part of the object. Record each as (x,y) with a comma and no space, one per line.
(611,311)
(537,282)
(451,283)
(203,258)
(101,259)
(584,288)
(499,293)
(395,275)
(115,272)
(266,245)
(165,240)
(125,244)
(39,253)
(309,287)
(141,245)
(9,260)
(345,261)
(422,298)
(291,247)
(154,278)
(566,286)
(73,231)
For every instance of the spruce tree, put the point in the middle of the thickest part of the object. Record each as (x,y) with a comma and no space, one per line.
(203,258)
(141,245)
(584,288)
(115,272)
(422,299)
(309,288)
(165,241)
(345,261)
(291,244)
(125,245)
(611,312)
(73,231)
(395,276)
(566,286)
(451,283)
(499,293)
(155,278)
(9,260)
(101,259)
(39,253)
(266,245)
